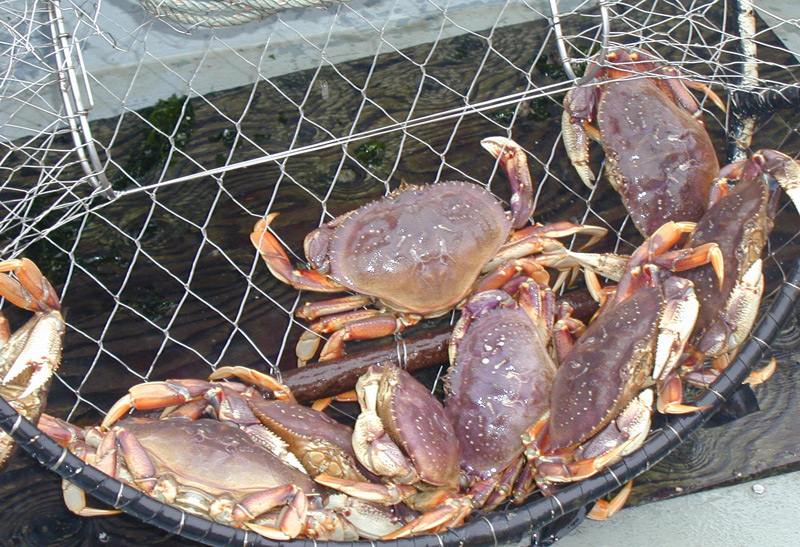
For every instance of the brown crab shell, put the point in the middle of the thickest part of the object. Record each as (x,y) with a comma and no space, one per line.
(608,365)
(419,249)
(660,156)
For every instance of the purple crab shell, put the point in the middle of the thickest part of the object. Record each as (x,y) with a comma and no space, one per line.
(498,386)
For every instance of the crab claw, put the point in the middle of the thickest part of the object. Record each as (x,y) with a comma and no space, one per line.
(276,259)
(35,349)
(515,163)
(576,134)
(31,290)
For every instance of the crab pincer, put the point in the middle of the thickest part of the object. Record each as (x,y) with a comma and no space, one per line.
(30,355)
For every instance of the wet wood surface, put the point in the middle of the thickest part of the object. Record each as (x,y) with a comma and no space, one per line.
(196,235)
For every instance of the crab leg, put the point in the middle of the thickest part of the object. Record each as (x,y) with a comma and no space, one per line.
(565,331)
(314,310)
(75,500)
(292,519)
(784,169)
(654,251)
(498,278)
(492,493)
(71,437)
(60,431)
(260,379)
(666,237)
(338,321)
(674,86)
(309,341)
(603,509)
(670,396)
(388,494)
(541,238)
(365,328)
(154,395)
(279,264)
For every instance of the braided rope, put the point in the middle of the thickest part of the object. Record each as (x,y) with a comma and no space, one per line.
(225,13)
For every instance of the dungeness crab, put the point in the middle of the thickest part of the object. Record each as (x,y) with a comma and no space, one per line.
(601,400)
(658,155)
(249,464)
(740,222)
(415,254)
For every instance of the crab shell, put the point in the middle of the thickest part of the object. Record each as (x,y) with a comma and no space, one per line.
(614,359)
(418,250)
(661,158)
(498,384)
(214,457)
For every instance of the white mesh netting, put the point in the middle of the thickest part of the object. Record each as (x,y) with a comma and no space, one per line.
(137,153)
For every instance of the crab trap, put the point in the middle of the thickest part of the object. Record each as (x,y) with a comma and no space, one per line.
(141,143)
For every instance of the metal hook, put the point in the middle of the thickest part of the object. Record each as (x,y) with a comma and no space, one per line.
(594,67)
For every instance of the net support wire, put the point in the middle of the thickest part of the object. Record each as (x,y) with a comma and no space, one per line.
(77,112)
(561,43)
